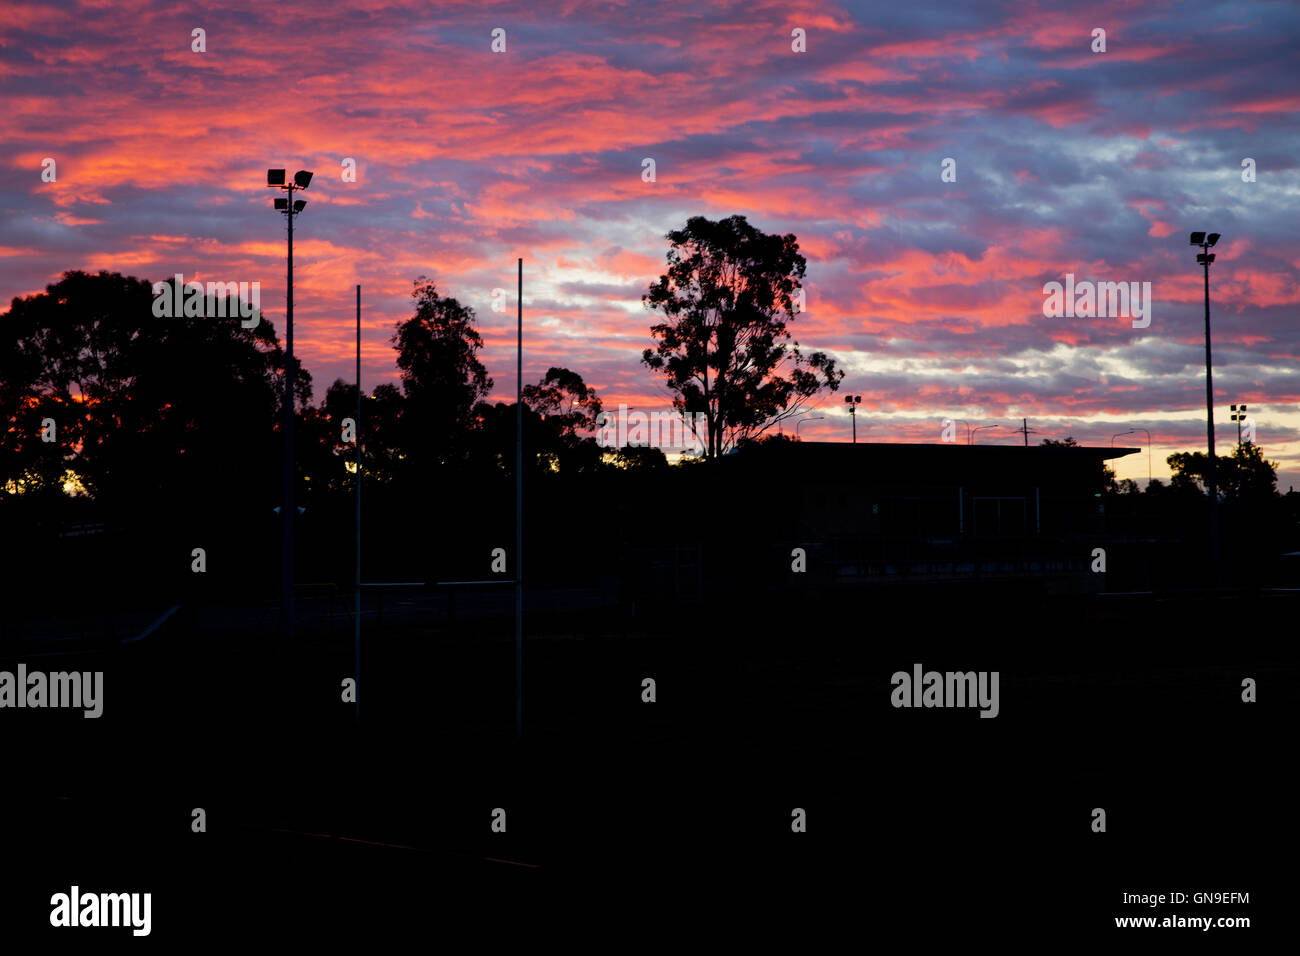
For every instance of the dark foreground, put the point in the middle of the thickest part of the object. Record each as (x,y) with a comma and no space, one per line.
(929,823)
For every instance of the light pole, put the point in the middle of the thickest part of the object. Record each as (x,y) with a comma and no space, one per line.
(290,207)
(1205,257)
(810,418)
(977,428)
(967,424)
(853,401)
(1238,416)
(1129,432)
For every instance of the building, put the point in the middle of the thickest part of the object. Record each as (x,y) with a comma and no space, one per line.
(871,514)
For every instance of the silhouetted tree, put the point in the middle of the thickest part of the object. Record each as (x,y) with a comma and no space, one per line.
(325,458)
(766,441)
(381,419)
(639,458)
(569,410)
(171,425)
(567,403)
(1245,474)
(729,295)
(442,378)
(146,409)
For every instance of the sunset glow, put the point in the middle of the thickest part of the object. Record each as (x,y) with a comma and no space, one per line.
(929,293)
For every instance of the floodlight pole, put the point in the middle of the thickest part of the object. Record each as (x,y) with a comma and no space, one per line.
(1209,426)
(852,401)
(288,511)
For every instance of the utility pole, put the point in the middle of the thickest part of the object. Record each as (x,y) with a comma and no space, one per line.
(1024,426)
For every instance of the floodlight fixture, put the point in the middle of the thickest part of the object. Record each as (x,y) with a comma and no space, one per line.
(282,204)
(303,178)
(1198,238)
(275,177)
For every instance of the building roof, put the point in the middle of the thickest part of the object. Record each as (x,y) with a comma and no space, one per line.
(930,462)
(925,452)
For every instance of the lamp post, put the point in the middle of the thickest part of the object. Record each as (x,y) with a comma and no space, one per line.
(977,428)
(1130,432)
(810,418)
(853,401)
(967,424)
(1205,257)
(1238,416)
(290,207)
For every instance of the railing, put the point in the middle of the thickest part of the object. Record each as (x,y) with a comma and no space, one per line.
(912,559)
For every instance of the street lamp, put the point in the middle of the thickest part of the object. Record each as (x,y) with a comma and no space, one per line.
(971,440)
(289,208)
(810,418)
(853,401)
(1205,257)
(967,424)
(1129,432)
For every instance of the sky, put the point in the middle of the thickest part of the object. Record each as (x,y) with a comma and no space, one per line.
(929,292)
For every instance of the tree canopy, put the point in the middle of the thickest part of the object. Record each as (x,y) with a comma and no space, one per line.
(125,391)
(724,348)
(442,377)
(1244,475)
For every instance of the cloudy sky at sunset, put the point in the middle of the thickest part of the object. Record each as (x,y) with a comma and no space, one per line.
(929,293)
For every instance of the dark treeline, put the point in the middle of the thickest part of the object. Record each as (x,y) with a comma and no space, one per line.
(131,440)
